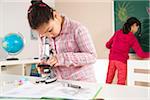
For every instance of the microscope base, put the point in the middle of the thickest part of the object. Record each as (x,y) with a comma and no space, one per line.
(46,80)
(50,80)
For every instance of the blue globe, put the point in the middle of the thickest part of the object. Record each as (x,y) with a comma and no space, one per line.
(13,43)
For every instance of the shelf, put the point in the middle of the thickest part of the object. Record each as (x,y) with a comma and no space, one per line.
(18,67)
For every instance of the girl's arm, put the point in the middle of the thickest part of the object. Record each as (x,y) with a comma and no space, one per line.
(86,55)
(109,43)
(137,48)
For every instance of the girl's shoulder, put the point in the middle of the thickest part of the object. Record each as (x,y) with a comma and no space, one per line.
(77,26)
(132,37)
(131,34)
(119,31)
(76,23)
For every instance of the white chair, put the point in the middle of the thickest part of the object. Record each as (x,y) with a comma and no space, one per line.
(138,73)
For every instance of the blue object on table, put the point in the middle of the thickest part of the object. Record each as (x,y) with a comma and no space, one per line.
(13,43)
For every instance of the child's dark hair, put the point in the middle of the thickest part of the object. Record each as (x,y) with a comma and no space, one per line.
(39,13)
(127,26)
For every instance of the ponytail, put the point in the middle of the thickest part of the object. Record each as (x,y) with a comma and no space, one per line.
(126,28)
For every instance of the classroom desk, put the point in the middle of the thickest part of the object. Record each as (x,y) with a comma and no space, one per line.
(107,92)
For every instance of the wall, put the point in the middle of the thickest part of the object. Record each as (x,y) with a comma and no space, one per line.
(13,18)
(96,15)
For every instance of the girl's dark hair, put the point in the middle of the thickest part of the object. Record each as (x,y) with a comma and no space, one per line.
(127,26)
(39,13)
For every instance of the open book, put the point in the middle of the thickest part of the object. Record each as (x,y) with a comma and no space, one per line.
(54,90)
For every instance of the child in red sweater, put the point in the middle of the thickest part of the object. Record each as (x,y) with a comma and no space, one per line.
(119,45)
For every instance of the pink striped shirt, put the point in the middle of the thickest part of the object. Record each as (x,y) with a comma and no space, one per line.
(75,52)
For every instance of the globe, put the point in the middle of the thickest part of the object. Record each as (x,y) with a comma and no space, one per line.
(13,43)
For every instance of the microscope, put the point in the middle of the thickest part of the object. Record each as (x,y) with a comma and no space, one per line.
(47,73)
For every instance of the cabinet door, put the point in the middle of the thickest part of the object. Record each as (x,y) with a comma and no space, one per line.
(138,73)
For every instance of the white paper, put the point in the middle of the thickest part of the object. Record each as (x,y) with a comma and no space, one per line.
(54,90)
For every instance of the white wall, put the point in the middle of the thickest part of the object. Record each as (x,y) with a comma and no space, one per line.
(13,18)
(96,15)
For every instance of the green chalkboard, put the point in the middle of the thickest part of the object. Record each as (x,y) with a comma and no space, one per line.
(123,9)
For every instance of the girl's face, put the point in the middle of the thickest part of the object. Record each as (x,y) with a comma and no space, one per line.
(134,28)
(51,29)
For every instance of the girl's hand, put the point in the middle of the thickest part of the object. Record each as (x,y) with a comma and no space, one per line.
(52,61)
(43,61)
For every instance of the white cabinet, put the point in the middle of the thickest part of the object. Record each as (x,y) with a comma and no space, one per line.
(138,73)
(18,67)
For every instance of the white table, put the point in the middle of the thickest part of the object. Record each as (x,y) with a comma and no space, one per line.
(119,92)
(108,92)
(58,89)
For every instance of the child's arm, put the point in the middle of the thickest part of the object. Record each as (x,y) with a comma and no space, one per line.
(137,48)
(86,55)
(109,43)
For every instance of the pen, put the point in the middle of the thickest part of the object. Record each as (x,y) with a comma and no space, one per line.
(73,86)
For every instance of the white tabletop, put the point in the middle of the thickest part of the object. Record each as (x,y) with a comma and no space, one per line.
(58,89)
(120,92)
(107,92)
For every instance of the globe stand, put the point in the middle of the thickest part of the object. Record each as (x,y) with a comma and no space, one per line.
(12,59)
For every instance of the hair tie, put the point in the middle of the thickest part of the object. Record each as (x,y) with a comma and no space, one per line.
(30,9)
(36,1)
(42,5)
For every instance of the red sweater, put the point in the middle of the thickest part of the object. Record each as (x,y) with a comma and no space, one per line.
(120,44)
